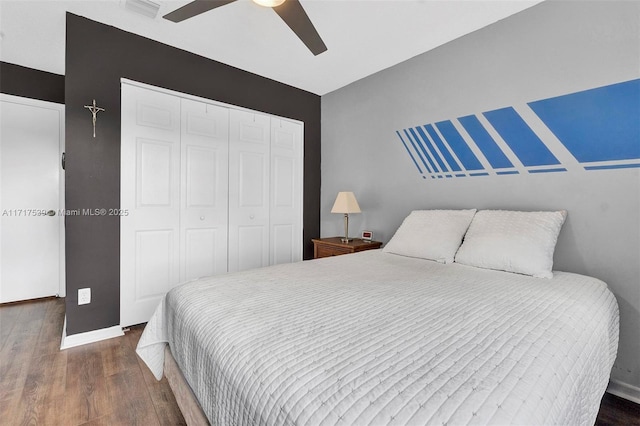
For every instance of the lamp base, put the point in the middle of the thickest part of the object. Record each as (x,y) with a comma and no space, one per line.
(346,238)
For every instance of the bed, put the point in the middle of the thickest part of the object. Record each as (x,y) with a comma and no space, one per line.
(377,338)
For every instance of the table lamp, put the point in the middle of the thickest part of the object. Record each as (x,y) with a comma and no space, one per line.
(346,203)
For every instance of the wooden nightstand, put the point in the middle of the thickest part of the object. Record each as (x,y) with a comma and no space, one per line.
(325,247)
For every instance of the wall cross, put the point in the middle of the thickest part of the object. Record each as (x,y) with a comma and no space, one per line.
(94,112)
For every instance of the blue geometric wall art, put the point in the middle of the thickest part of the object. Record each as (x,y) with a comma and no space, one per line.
(597,126)
(594,129)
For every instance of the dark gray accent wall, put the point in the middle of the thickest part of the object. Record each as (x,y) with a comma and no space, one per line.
(31,83)
(551,49)
(97,57)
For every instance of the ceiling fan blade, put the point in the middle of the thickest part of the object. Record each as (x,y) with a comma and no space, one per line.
(194,8)
(293,14)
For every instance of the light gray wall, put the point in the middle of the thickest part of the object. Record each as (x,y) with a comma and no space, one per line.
(552,49)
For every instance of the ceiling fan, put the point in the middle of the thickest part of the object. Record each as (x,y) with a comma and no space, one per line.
(291,12)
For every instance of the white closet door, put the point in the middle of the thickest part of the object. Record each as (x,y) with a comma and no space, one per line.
(204,189)
(249,162)
(150,192)
(286,192)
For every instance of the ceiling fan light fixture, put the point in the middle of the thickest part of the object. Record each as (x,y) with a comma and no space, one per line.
(144,7)
(269,3)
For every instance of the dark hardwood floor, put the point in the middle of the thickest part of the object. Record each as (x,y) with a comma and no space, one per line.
(102,383)
(105,383)
(617,411)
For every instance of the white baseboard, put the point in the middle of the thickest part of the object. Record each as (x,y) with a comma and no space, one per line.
(624,390)
(89,336)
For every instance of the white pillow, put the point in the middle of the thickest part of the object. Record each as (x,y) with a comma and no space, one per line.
(431,234)
(521,242)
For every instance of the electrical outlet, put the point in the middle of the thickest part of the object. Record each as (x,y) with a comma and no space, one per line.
(84,296)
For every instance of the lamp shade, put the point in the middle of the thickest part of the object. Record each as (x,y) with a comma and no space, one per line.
(346,203)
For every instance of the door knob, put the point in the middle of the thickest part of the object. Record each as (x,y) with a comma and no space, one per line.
(51,213)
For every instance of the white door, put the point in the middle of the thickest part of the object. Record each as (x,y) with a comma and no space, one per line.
(249,148)
(31,181)
(286,192)
(204,189)
(150,192)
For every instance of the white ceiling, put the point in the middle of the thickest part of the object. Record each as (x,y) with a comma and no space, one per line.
(362,36)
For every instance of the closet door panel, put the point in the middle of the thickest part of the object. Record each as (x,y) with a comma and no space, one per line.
(285,226)
(202,175)
(283,244)
(250,185)
(249,164)
(204,189)
(201,249)
(150,192)
(251,243)
(154,166)
(154,264)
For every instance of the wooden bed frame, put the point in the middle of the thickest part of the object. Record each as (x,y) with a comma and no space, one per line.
(185,397)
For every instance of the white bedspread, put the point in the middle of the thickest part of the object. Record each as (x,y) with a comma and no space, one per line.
(375,338)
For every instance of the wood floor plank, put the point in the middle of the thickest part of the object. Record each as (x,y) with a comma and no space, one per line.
(9,315)
(52,407)
(48,341)
(131,406)
(616,411)
(165,404)
(117,356)
(18,345)
(87,393)
(13,376)
(102,421)
(43,381)
(12,380)
(8,407)
(21,342)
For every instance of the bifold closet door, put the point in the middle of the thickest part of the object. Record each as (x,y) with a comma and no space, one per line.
(249,161)
(204,189)
(286,192)
(207,188)
(150,193)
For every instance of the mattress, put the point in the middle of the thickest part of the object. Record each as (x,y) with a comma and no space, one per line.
(374,338)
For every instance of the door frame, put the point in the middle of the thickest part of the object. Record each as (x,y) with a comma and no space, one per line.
(60,109)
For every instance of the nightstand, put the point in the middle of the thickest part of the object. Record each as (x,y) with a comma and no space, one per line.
(325,247)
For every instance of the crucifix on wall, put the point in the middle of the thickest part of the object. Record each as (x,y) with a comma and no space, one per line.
(94,112)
